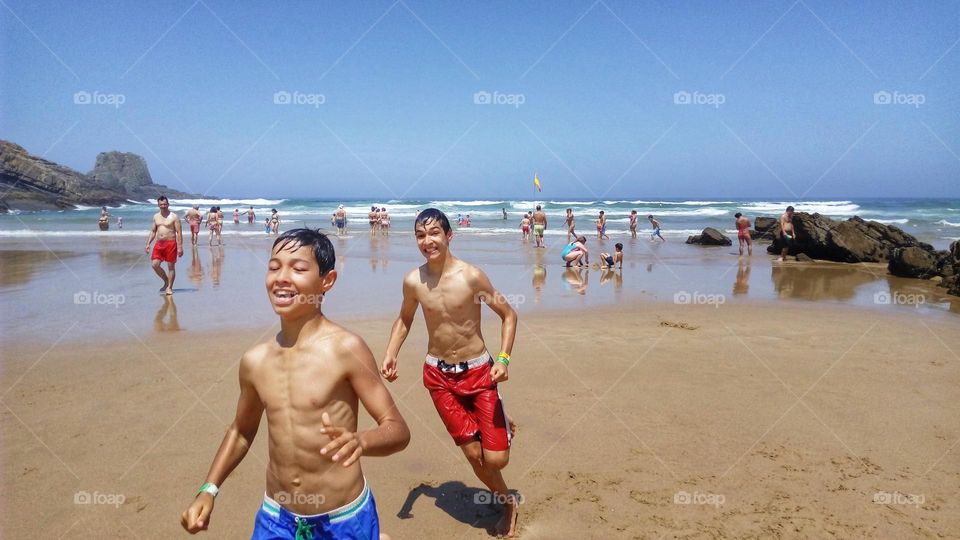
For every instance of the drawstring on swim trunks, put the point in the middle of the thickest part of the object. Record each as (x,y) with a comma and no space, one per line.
(304,530)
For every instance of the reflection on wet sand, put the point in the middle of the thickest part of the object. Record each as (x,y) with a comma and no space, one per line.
(160,322)
(196,268)
(742,283)
(539,279)
(815,282)
(576,279)
(17,266)
(216,264)
(611,274)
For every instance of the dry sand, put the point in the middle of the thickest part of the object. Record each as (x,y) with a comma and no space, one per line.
(775,421)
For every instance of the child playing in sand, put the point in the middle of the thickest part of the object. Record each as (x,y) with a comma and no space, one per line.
(460,374)
(576,252)
(617,257)
(309,380)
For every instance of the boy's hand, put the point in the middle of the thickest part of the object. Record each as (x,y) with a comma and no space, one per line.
(498,373)
(344,440)
(389,369)
(197,517)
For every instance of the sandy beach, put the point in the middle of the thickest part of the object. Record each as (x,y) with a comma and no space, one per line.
(642,419)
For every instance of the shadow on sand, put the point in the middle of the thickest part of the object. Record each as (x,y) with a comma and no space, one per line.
(468,505)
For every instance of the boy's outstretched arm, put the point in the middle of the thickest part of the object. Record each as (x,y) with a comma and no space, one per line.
(508,329)
(401,327)
(234,447)
(391,434)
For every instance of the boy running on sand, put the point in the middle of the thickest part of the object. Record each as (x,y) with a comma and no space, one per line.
(309,379)
(656,229)
(460,374)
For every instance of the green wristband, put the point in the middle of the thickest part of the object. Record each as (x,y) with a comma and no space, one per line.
(504,359)
(209,488)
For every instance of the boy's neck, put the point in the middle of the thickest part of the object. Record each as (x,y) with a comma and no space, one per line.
(438,267)
(291,328)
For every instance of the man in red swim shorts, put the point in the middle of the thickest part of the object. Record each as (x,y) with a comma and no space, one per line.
(459,373)
(169,234)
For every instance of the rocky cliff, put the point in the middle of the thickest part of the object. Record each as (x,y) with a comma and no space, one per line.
(28,182)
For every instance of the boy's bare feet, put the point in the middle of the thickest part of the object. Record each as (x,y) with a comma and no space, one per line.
(507,526)
(168,291)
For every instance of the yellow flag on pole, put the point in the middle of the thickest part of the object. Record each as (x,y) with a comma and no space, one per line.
(536,182)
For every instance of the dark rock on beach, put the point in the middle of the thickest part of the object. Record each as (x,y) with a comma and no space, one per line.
(913,262)
(32,183)
(764,224)
(853,240)
(710,237)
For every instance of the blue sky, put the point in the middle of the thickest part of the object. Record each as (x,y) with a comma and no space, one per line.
(780,96)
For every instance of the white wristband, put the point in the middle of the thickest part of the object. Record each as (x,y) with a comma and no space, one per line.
(209,488)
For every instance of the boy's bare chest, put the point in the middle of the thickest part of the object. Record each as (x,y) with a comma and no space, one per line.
(301,387)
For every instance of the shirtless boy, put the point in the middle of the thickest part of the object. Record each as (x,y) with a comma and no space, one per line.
(194,218)
(539,225)
(460,374)
(166,229)
(309,379)
(602,226)
(655,223)
(788,236)
(609,260)
(633,224)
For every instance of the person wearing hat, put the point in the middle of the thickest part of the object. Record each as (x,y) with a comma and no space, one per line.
(341,221)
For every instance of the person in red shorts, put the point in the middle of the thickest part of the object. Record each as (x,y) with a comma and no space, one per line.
(460,374)
(169,234)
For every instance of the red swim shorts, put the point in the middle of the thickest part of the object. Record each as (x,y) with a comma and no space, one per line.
(195,226)
(468,401)
(165,250)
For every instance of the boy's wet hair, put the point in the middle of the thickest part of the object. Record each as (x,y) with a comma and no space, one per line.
(737,215)
(619,246)
(294,239)
(432,214)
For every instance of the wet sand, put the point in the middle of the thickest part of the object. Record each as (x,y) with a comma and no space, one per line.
(637,420)
(106,286)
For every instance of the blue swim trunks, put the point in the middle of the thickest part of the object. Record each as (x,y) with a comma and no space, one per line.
(354,521)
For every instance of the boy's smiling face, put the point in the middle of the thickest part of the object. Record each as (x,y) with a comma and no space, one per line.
(294,284)
(432,241)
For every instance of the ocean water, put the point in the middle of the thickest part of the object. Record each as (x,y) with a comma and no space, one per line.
(936,221)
